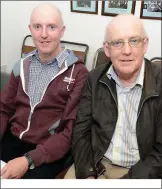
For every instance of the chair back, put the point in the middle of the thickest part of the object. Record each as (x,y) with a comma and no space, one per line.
(156,59)
(100,58)
(79,49)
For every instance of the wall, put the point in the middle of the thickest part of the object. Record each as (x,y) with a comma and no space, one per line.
(84,28)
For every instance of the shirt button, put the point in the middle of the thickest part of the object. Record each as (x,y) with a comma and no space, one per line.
(90,169)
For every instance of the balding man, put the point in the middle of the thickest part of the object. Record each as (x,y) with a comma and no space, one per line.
(38,106)
(118,132)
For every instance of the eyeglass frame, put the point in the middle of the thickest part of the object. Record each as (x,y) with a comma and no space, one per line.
(123,42)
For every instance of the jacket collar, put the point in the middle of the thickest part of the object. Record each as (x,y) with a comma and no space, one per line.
(151,86)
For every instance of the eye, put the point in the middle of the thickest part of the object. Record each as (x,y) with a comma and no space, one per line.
(117,43)
(52,27)
(37,26)
(134,41)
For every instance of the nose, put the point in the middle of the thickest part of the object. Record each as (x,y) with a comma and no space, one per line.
(44,33)
(126,49)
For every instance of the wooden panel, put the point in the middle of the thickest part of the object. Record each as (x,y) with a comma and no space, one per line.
(80,54)
(27,49)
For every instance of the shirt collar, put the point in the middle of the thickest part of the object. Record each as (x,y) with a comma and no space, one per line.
(140,77)
(59,59)
(139,81)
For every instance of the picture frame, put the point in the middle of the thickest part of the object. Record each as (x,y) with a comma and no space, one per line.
(115,7)
(151,10)
(84,6)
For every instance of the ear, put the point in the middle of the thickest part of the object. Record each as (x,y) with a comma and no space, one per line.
(62,31)
(146,45)
(106,49)
(29,26)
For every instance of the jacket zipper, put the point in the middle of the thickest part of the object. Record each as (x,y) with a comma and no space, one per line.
(32,108)
(117,106)
(144,102)
(110,91)
(29,121)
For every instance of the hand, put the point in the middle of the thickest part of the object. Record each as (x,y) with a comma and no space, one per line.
(15,168)
(91,177)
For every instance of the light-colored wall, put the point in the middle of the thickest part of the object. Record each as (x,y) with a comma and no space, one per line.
(83,28)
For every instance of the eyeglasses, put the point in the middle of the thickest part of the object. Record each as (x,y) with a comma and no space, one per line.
(133,42)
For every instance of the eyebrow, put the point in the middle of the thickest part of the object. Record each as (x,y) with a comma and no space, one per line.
(48,24)
(136,36)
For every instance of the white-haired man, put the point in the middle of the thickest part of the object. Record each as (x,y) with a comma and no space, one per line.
(118,132)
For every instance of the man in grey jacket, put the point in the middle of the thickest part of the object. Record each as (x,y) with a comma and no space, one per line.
(118,132)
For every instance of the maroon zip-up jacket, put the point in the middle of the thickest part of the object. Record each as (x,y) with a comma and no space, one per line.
(50,123)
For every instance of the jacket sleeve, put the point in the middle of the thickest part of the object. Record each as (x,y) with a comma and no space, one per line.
(8,106)
(57,145)
(81,143)
(151,166)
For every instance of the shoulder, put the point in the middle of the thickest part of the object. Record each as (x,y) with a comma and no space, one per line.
(77,69)
(156,67)
(16,67)
(100,70)
(81,67)
(153,71)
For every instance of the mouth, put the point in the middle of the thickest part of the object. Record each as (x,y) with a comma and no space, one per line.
(126,60)
(44,42)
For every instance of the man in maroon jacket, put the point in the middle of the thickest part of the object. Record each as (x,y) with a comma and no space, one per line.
(38,105)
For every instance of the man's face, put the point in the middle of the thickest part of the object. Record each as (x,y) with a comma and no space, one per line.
(126,60)
(46,32)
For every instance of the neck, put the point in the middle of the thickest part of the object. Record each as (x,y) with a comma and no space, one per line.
(128,82)
(48,57)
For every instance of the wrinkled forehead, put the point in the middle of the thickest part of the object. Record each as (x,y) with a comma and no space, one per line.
(125,30)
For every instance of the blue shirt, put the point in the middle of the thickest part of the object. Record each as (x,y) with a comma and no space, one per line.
(41,74)
(123,148)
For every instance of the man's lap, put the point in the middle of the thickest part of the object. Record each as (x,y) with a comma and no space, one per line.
(12,147)
(112,171)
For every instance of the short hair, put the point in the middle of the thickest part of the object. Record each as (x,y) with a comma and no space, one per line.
(121,15)
(51,5)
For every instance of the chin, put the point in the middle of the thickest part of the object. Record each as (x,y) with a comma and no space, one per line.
(126,71)
(44,51)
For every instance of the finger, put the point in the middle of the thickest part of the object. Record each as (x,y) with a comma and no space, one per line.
(6,175)
(3,170)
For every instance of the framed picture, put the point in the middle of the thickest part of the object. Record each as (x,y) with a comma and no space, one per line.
(151,10)
(115,7)
(84,6)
